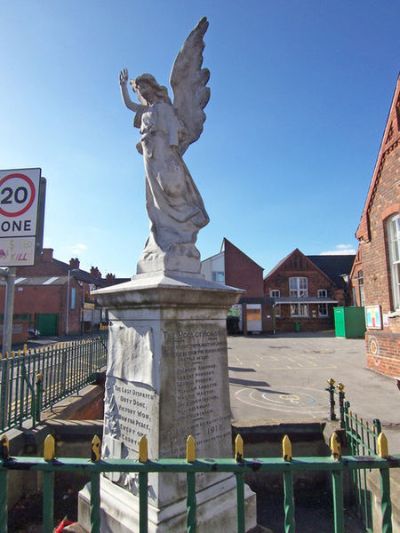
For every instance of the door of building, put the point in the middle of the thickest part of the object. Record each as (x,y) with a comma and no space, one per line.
(47,324)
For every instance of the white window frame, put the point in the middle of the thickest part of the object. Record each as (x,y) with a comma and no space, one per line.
(393,235)
(298,287)
(218,276)
(276,293)
(299,310)
(360,280)
(323,310)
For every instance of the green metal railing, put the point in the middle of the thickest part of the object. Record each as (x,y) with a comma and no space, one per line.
(33,380)
(287,465)
(362,440)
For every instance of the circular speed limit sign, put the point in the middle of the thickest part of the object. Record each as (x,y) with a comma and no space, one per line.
(17,194)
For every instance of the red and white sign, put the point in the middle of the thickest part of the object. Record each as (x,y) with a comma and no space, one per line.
(19,195)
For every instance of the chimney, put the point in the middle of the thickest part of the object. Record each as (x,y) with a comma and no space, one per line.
(95,272)
(110,277)
(74,262)
(47,255)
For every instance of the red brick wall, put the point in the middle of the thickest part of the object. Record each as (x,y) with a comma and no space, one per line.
(383,352)
(375,252)
(242,272)
(383,346)
(44,299)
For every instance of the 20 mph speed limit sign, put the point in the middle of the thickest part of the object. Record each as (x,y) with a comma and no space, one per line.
(20,195)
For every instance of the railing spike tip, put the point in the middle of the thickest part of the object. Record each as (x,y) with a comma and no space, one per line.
(287,453)
(383,446)
(49,452)
(143,449)
(190,449)
(4,447)
(239,448)
(335,446)
(96,449)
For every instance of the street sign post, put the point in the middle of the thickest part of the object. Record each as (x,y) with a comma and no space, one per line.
(22,199)
(20,215)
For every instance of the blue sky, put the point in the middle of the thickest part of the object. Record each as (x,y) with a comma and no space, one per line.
(300,91)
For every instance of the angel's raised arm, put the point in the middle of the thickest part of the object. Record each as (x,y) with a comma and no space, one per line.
(123,81)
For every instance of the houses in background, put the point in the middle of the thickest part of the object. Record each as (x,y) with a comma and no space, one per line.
(376,273)
(54,298)
(298,294)
(233,267)
(304,290)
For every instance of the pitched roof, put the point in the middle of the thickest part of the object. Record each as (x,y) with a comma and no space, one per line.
(280,263)
(229,243)
(331,266)
(390,139)
(334,266)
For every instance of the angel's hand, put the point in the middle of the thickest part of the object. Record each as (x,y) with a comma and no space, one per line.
(123,76)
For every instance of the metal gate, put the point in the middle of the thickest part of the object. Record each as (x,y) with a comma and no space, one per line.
(47,324)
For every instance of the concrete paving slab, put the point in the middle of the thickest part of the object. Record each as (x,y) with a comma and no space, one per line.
(283,378)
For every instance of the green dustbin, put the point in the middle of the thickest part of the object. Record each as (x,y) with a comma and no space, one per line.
(349,322)
(297,327)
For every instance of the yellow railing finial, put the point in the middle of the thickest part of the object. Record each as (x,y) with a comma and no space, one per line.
(383,446)
(336,449)
(190,449)
(4,447)
(239,448)
(287,453)
(143,450)
(96,449)
(49,452)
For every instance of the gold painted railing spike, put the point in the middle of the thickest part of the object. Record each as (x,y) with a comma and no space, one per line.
(49,448)
(340,387)
(287,453)
(239,448)
(383,446)
(190,449)
(331,382)
(143,450)
(5,447)
(96,449)
(25,349)
(335,446)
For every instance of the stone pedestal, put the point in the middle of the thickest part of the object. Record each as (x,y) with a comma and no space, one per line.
(167,378)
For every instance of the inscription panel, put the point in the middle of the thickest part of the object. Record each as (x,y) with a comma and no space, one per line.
(131,411)
(201,397)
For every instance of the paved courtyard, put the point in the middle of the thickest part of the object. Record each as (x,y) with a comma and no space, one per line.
(282,378)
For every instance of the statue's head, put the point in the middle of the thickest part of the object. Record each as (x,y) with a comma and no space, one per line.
(149,90)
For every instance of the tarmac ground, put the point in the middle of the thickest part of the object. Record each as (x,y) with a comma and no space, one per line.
(282,379)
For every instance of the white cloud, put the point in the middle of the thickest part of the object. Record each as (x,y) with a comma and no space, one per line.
(341,249)
(78,248)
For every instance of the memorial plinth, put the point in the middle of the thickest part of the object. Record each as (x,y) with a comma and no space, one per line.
(167,378)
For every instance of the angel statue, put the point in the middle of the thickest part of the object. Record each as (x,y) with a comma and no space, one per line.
(174,205)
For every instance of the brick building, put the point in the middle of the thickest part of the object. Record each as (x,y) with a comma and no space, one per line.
(53,297)
(304,290)
(233,267)
(379,252)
